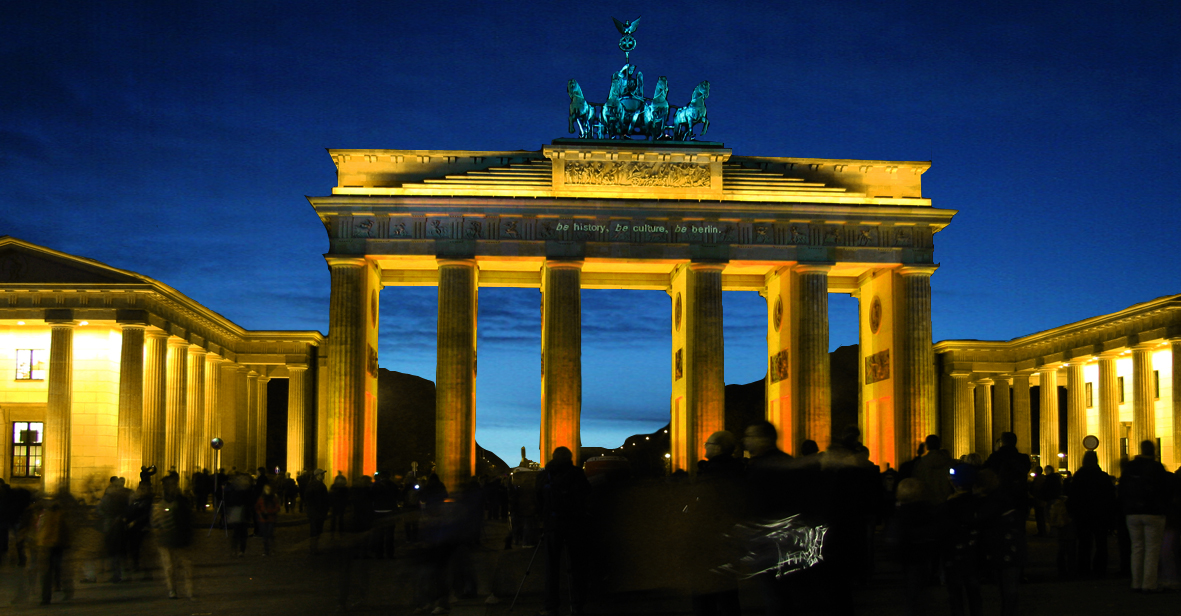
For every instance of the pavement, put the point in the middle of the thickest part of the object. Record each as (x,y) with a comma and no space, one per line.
(292,582)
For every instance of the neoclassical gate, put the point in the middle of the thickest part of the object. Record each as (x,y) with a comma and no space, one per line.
(688,218)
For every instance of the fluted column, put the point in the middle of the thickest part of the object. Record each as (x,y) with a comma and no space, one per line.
(55,464)
(1143,403)
(194,415)
(211,417)
(982,444)
(917,374)
(346,367)
(1048,426)
(260,443)
(1001,421)
(131,400)
(174,422)
(251,420)
(297,419)
(1076,414)
(227,415)
(1175,347)
(241,453)
(1022,413)
(965,427)
(561,357)
(815,385)
(704,361)
(455,372)
(1109,432)
(155,402)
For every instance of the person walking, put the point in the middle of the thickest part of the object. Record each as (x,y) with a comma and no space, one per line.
(1144,495)
(315,502)
(172,524)
(563,490)
(266,511)
(52,535)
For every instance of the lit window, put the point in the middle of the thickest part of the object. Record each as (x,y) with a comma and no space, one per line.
(30,364)
(1120,387)
(1156,386)
(26,448)
(1090,396)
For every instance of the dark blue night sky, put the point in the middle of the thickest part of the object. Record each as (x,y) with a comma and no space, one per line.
(179,142)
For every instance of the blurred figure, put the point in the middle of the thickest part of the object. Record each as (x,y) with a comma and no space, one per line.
(962,552)
(1046,489)
(1090,501)
(772,491)
(933,470)
(53,540)
(236,500)
(315,496)
(266,511)
(1012,469)
(719,486)
(338,498)
(112,516)
(563,490)
(289,492)
(1145,493)
(385,508)
(914,536)
(138,516)
(172,523)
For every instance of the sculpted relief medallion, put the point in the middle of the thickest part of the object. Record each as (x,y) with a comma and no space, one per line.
(677,313)
(778,319)
(630,173)
(875,314)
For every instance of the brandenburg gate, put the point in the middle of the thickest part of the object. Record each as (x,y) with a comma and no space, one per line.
(687,217)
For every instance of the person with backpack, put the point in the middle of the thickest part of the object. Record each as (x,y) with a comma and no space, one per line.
(1144,495)
(172,523)
(563,490)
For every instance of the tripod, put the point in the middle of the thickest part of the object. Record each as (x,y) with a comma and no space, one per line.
(527,570)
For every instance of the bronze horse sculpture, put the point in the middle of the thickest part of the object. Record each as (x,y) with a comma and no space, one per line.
(692,114)
(581,113)
(651,119)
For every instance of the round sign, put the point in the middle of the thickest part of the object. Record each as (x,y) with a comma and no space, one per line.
(216,443)
(1090,441)
(627,43)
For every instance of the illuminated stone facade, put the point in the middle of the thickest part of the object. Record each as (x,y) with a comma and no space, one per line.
(689,219)
(1120,379)
(126,371)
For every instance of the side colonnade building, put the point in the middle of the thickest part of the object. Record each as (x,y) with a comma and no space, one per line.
(106,370)
(688,218)
(1113,376)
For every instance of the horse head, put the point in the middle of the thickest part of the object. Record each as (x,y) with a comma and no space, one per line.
(573,89)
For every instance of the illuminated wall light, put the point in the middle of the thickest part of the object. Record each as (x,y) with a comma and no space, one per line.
(20,322)
(84,323)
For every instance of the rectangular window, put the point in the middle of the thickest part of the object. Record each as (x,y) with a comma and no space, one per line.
(30,364)
(1120,387)
(1090,396)
(26,448)
(1156,385)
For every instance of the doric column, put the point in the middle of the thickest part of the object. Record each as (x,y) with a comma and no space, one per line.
(194,415)
(155,402)
(251,420)
(211,417)
(260,430)
(1109,432)
(178,389)
(131,401)
(1175,347)
(816,394)
(298,459)
(1048,426)
(1076,414)
(455,372)
(346,367)
(704,355)
(1001,422)
(964,428)
(561,357)
(1022,414)
(55,465)
(982,444)
(1143,403)
(917,374)
(227,415)
(241,450)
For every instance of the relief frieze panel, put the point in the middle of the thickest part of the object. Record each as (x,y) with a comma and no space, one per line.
(633,173)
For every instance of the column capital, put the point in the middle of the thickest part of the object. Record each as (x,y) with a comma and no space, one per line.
(443,261)
(812,268)
(984,381)
(562,264)
(174,342)
(961,375)
(262,378)
(62,324)
(335,261)
(130,326)
(296,367)
(707,266)
(1146,346)
(154,333)
(243,369)
(197,350)
(917,270)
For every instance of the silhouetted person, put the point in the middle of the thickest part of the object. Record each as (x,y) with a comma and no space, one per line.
(1012,469)
(1046,489)
(933,470)
(145,474)
(1144,493)
(112,516)
(711,515)
(315,501)
(266,511)
(771,495)
(338,499)
(172,523)
(139,513)
(53,535)
(563,491)
(1090,501)
(914,537)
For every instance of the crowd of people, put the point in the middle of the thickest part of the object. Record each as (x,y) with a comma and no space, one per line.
(801,529)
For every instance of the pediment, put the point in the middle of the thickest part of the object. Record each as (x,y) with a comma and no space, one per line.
(24,263)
